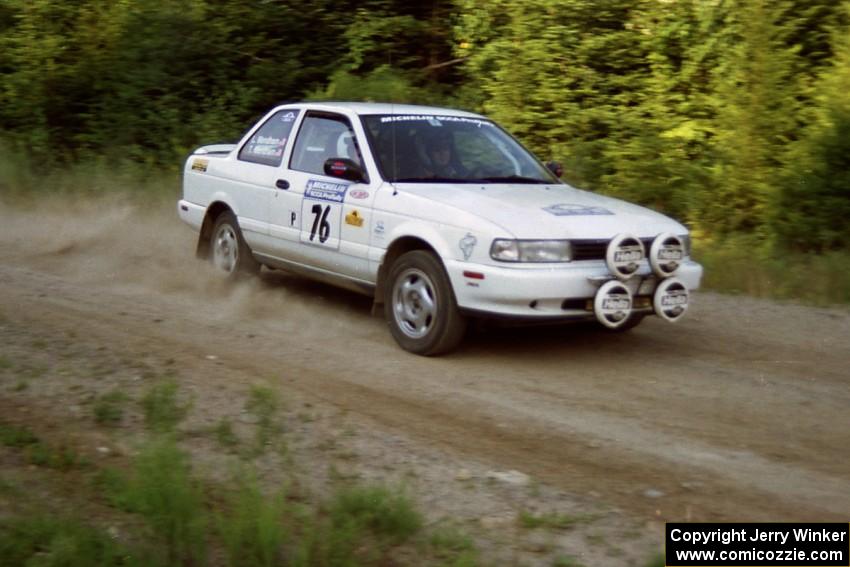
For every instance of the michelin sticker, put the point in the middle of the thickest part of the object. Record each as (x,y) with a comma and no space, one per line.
(321,213)
(569,209)
(467,244)
(325,191)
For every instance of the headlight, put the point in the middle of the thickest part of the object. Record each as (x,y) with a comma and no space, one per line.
(531,250)
(686,240)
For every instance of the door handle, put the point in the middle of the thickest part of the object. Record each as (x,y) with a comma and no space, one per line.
(281,184)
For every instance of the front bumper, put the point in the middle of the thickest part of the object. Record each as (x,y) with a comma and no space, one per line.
(191,214)
(562,292)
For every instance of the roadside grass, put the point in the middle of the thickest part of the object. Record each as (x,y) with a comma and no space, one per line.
(566,561)
(5,363)
(182,520)
(448,541)
(161,408)
(549,520)
(224,434)
(161,490)
(251,525)
(742,265)
(386,513)
(48,542)
(21,180)
(263,405)
(109,408)
(61,458)
(17,437)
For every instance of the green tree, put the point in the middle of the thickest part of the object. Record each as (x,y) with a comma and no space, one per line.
(560,74)
(813,206)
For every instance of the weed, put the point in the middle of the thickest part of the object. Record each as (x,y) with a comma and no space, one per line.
(447,539)
(161,408)
(47,542)
(63,458)
(324,543)
(251,529)
(224,434)
(109,408)
(386,513)
(657,561)
(5,363)
(465,559)
(27,371)
(263,405)
(20,386)
(7,487)
(13,436)
(550,520)
(566,561)
(162,491)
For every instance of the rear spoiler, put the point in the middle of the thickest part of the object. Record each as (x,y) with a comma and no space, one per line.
(215,149)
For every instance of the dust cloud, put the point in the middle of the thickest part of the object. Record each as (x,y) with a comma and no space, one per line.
(119,244)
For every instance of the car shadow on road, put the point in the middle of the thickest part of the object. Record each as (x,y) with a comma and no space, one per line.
(490,338)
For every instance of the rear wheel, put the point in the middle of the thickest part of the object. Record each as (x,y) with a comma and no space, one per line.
(229,252)
(420,306)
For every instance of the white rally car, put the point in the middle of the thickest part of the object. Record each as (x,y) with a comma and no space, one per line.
(438,214)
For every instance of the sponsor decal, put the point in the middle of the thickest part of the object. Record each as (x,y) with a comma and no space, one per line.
(467,245)
(288,117)
(670,254)
(629,254)
(570,210)
(379,229)
(338,167)
(200,165)
(354,219)
(616,303)
(434,120)
(325,191)
(359,194)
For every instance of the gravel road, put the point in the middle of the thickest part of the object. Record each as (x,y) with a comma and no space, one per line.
(737,413)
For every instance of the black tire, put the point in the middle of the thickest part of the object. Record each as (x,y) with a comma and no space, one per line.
(228,251)
(420,306)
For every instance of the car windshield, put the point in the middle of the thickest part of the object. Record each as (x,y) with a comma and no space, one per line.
(449,149)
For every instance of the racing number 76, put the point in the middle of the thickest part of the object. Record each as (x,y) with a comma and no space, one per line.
(320,223)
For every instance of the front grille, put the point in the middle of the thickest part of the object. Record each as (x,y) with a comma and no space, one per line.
(595,249)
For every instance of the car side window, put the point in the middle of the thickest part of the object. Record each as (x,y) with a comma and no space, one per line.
(267,144)
(321,137)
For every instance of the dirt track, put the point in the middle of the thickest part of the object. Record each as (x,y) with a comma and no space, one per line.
(737,413)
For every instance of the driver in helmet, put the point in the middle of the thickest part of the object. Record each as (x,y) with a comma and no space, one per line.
(442,161)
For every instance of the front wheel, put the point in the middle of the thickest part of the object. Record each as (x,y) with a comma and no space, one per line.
(230,254)
(420,306)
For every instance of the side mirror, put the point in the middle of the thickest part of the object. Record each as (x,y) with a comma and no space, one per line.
(556,168)
(345,168)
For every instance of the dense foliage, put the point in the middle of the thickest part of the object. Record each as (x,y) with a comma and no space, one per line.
(732,115)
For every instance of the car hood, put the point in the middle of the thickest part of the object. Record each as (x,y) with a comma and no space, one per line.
(547,211)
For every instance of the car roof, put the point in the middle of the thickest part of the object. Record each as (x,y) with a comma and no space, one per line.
(364,108)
